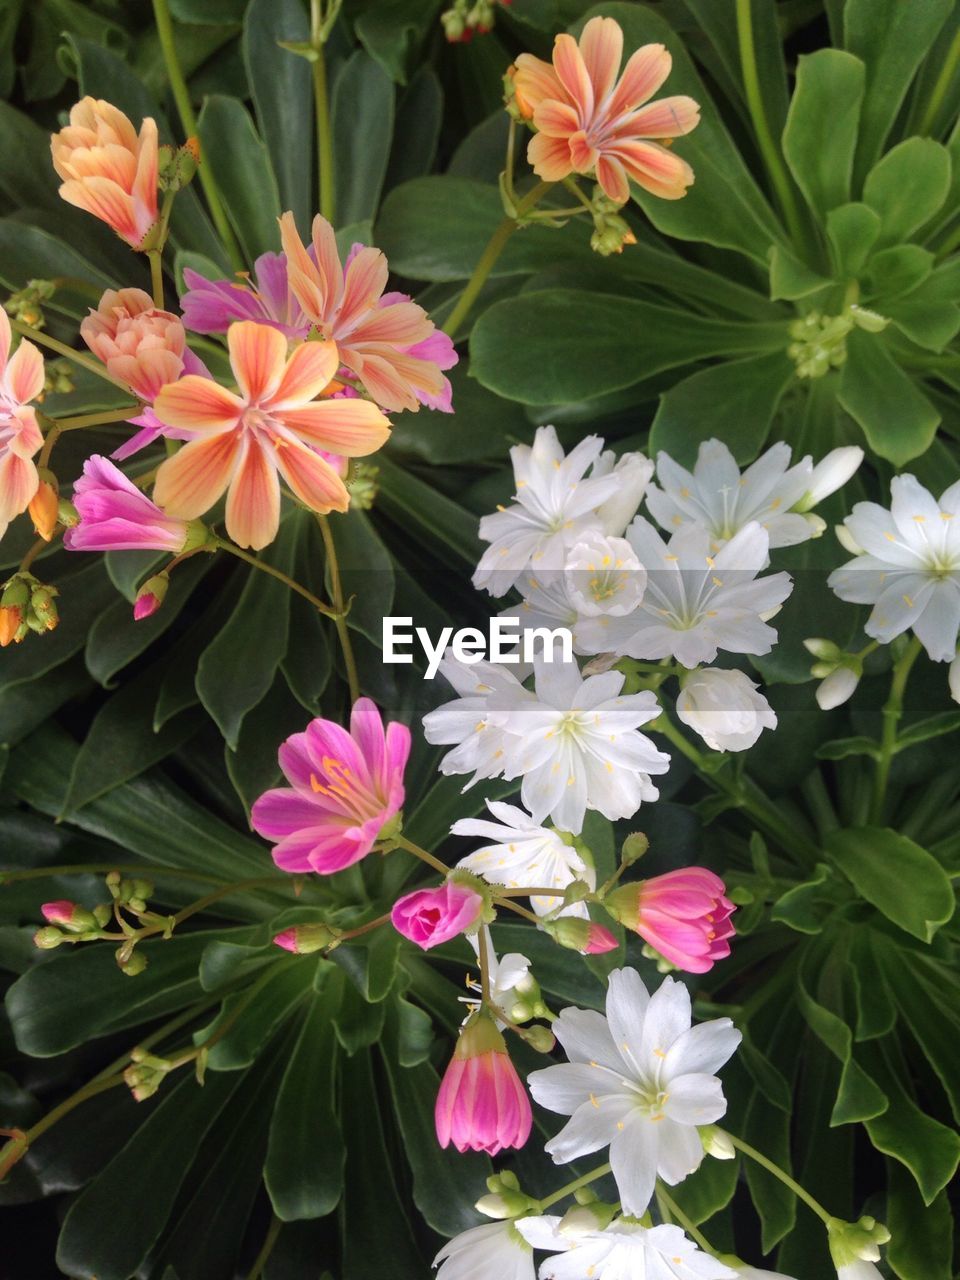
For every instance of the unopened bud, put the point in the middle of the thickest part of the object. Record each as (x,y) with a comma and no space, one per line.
(539,1038)
(135,963)
(716,1143)
(633,848)
(302,939)
(47,938)
(151,596)
(44,505)
(362,485)
(42,608)
(11,625)
(68,915)
(610,234)
(585,1218)
(580,935)
(825,650)
(853,1242)
(67,514)
(504,1204)
(870,321)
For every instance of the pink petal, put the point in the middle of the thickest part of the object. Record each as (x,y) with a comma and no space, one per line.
(258,357)
(198,404)
(643,75)
(601,47)
(253,502)
(572,74)
(189,483)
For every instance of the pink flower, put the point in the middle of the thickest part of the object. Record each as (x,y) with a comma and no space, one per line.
(116,516)
(589,122)
(683,914)
(482,1106)
(108,169)
(378,336)
(139,344)
(211,306)
(431,916)
(345,788)
(21,380)
(273,424)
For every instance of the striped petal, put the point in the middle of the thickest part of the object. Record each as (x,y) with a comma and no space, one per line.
(533,81)
(572,74)
(18,483)
(601,47)
(665,118)
(305,280)
(613,179)
(352,428)
(549,157)
(258,357)
(198,404)
(189,483)
(643,75)
(253,501)
(309,370)
(105,201)
(364,284)
(401,323)
(328,261)
(312,479)
(656,169)
(24,374)
(6,336)
(556,119)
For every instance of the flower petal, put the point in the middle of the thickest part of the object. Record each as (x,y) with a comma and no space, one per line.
(352,428)
(613,179)
(550,157)
(24,375)
(364,282)
(312,479)
(572,74)
(306,281)
(601,47)
(655,168)
(258,357)
(198,404)
(643,75)
(309,370)
(189,483)
(253,502)
(665,118)
(18,483)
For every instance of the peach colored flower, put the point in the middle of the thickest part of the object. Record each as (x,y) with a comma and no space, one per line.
(590,122)
(21,380)
(107,169)
(139,344)
(373,338)
(273,423)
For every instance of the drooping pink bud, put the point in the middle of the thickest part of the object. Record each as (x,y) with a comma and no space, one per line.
(68,915)
(302,939)
(429,917)
(150,596)
(482,1105)
(581,935)
(684,915)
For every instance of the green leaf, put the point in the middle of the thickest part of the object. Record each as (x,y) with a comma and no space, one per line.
(253,767)
(240,165)
(237,669)
(805,906)
(280,85)
(876,1009)
(790,278)
(417,130)
(414,1033)
(366,573)
(897,271)
(28,253)
(742,394)
(392,31)
(708,1190)
(897,419)
(482,427)
(891,38)
(820,136)
(358,1022)
(932,727)
(27,178)
(896,876)
(308,663)
(253,1017)
(416,506)
(362,122)
(908,186)
(303,1171)
(921,1237)
(372,963)
(208,13)
(859,1098)
(526,349)
(853,230)
(842,748)
(167,1142)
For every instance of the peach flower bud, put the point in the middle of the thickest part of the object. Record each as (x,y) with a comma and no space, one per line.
(139,344)
(44,506)
(108,169)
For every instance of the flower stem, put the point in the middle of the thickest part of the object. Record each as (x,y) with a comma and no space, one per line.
(761,126)
(892,711)
(488,259)
(676,1212)
(571,1187)
(156,277)
(25,563)
(779,1173)
(61,348)
(520,911)
(181,96)
(339,612)
(97,419)
(270,1240)
(422,854)
(321,106)
(262,565)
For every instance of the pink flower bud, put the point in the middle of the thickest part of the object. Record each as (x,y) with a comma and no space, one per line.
(431,916)
(482,1106)
(302,939)
(581,935)
(150,596)
(69,915)
(140,345)
(683,914)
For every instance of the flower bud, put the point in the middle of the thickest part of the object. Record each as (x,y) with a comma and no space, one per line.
(48,938)
(595,1216)
(847,540)
(825,650)
(854,1242)
(44,505)
(869,321)
(133,964)
(42,614)
(11,622)
(633,848)
(836,687)
(504,1204)
(829,475)
(302,939)
(67,514)
(580,935)
(539,1038)
(610,234)
(716,1143)
(69,915)
(151,596)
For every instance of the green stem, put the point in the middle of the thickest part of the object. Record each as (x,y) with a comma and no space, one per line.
(571,1187)
(321,105)
(779,1173)
(339,612)
(156,277)
(225,891)
(61,348)
(181,96)
(422,854)
(262,565)
(261,1259)
(677,1213)
(495,246)
(97,419)
(939,90)
(96,868)
(761,126)
(892,711)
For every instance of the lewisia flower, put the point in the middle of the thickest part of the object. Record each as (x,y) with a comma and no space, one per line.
(345,789)
(698,601)
(377,338)
(21,380)
(908,566)
(494,1249)
(511,983)
(685,915)
(273,424)
(479,745)
(116,516)
(482,1106)
(624,1250)
(139,344)
(524,853)
(590,122)
(429,917)
(552,506)
(725,708)
(107,169)
(637,1081)
(716,497)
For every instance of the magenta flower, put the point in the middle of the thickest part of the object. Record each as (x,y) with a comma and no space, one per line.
(116,516)
(344,789)
(482,1106)
(684,915)
(211,306)
(431,916)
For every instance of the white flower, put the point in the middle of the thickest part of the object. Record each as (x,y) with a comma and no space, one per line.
(909,569)
(639,1080)
(623,1251)
(495,1249)
(836,688)
(576,744)
(632,472)
(954,679)
(697,601)
(509,977)
(524,853)
(479,745)
(553,504)
(717,498)
(725,708)
(859,1269)
(754,1273)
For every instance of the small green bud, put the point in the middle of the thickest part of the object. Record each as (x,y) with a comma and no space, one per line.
(633,848)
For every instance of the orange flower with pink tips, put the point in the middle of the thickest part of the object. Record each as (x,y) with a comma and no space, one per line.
(108,169)
(272,426)
(592,123)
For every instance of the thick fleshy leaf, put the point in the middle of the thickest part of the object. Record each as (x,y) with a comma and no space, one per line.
(240,164)
(908,187)
(362,109)
(820,136)
(897,876)
(897,418)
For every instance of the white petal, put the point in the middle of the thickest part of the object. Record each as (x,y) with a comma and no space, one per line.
(634,1154)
